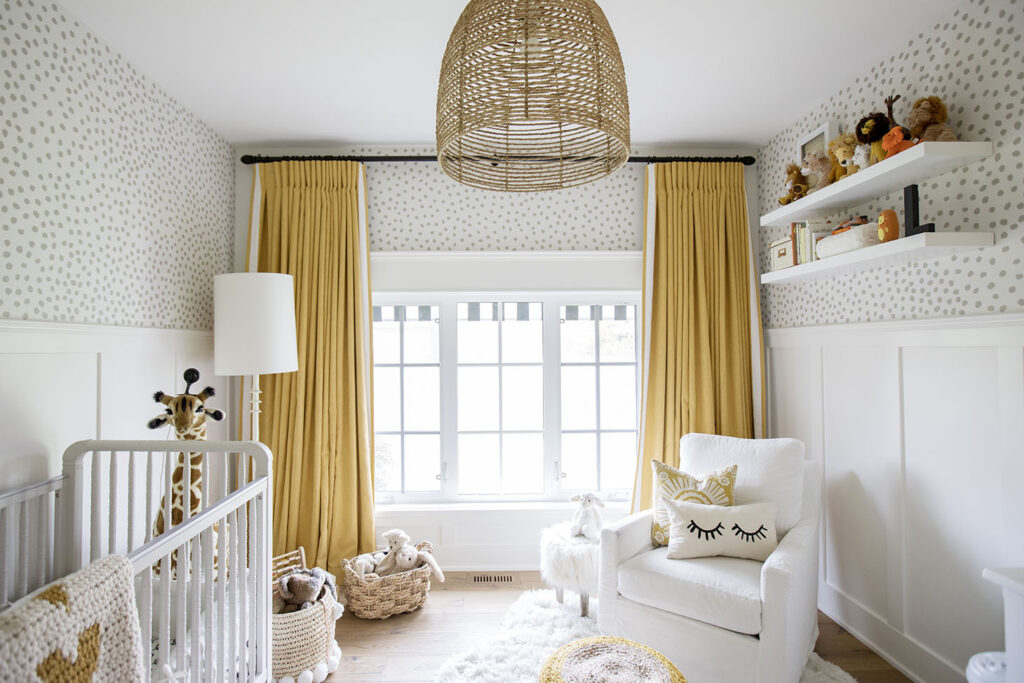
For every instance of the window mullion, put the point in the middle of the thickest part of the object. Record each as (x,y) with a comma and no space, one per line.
(401,393)
(552,382)
(449,400)
(597,403)
(501,405)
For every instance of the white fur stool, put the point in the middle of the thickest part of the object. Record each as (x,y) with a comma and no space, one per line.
(569,563)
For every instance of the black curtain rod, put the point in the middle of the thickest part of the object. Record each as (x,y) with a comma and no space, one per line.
(249,159)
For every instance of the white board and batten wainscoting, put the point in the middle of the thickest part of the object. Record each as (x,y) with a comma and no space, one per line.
(60,383)
(921,427)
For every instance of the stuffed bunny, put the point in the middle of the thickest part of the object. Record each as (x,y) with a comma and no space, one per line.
(408,557)
(586,521)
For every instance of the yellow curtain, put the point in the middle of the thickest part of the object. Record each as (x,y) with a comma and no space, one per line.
(697,313)
(317,421)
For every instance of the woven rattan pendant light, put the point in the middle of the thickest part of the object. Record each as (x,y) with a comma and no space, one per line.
(532,96)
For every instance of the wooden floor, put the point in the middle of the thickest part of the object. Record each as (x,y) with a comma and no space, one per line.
(460,614)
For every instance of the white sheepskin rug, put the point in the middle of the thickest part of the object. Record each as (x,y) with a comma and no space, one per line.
(536,625)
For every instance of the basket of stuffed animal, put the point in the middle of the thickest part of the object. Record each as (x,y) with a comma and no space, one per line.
(302,627)
(395,581)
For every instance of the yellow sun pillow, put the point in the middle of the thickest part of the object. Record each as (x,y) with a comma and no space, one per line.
(713,488)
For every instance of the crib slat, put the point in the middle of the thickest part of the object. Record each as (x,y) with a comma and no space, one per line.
(204,468)
(4,566)
(147,514)
(195,626)
(22,575)
(146,616)
(131,502)
(96,507)
(164,607)
(242,569)
(180,582)
(43,541)
(168,487)
(207,536)
(186,488)
(262,596)
(112,510)
(222,580)
(234,580)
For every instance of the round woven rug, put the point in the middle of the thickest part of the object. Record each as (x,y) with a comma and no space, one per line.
(605,659)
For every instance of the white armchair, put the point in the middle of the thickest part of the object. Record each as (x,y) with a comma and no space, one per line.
(722,618)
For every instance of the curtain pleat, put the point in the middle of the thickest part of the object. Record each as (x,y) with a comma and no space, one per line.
(317,421)
(697,360)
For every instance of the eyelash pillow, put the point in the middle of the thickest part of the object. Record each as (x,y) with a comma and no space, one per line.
(745,531)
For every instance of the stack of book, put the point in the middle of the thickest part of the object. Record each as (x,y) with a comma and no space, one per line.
(799,246)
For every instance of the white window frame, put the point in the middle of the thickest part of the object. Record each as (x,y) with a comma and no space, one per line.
(551,302)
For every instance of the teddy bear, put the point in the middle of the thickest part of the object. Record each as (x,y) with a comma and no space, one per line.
(896,141)
(927,121)
(395,539)
(586,520)
(842,149)
(301,588)
(820,166)
(796,185)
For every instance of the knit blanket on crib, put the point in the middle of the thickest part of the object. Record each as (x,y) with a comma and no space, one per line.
(83,627)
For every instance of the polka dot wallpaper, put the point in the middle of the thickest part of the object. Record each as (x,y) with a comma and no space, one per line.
(973,61)
(116,203)
(416,207)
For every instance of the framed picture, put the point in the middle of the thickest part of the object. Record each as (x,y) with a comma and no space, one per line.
(816,141)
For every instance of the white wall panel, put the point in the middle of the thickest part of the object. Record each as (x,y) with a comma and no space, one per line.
(953,498)
(863,477)
(794,393)
(47,401)
(127,384)
(61,383)
(922,432)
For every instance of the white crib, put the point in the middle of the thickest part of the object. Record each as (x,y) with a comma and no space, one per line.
(205,623)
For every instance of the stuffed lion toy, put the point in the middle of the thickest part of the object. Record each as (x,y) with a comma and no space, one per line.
(842,149)
(870,131)
(796,185)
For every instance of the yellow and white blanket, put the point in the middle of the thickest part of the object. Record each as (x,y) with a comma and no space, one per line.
(83,627)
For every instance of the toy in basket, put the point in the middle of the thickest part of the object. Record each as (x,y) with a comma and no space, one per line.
(394,581)
(305,608)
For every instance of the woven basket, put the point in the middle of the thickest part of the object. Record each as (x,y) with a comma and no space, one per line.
(380,597)
(300,640)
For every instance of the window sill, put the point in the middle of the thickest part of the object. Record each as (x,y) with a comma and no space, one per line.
(619,506)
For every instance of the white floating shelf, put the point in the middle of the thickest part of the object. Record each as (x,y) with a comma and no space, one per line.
(918,247)
(915,165)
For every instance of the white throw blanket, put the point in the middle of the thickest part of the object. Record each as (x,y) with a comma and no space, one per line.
(82,627)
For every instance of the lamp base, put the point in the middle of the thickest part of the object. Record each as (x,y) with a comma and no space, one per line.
(254,408)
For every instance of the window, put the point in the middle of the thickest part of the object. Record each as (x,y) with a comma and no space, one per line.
(598,359)
(523,397)
(407,398)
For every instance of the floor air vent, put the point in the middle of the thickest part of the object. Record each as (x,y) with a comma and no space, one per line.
(492,578)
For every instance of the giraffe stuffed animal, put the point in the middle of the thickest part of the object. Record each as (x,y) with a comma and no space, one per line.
(187,414)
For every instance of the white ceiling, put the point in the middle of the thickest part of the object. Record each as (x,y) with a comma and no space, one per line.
(365,71)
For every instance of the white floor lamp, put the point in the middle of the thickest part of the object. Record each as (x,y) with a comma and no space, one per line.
(254,329)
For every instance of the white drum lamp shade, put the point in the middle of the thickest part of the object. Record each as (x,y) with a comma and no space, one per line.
(254,324)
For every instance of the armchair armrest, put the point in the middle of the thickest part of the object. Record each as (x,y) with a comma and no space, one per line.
(620,541)
(789,596)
